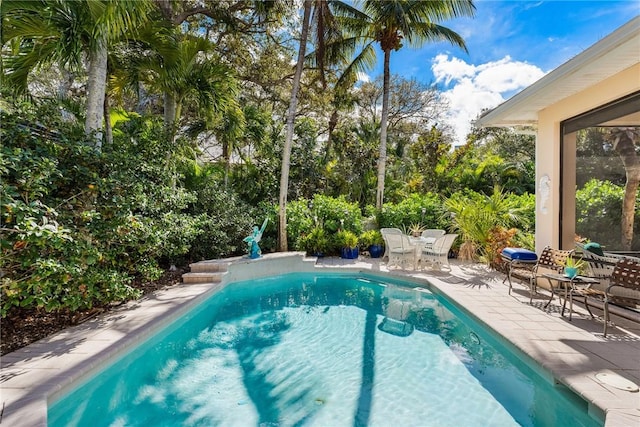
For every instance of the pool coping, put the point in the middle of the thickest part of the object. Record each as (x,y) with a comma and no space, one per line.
(563,352)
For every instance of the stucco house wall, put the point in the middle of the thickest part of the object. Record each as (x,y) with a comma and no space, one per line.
(604,73)
(548,155)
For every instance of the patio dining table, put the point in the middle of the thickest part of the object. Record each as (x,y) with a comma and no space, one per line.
(420,243)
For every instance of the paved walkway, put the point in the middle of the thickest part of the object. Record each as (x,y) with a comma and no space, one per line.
(573,353)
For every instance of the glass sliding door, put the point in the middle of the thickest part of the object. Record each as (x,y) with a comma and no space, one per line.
(600,172)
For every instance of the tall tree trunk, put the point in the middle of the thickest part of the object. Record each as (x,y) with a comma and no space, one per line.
(333,122)
(291,114)
(64,88)
(96,87)
(170,106)
(108,137)
(143,100)
(382,159)
(626,150)
(226,155)
(171,114)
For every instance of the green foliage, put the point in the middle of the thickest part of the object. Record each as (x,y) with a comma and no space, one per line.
(371,237)
(59,250)
(222,221)
(346,239)
(316,242)
(491,157)
(598,212)
(81,228)
(424,209)
(331,214)
(475,217)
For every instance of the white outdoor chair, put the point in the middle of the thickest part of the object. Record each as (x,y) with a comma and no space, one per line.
(400,249)
(430,235)
(438,253)
(433,232)
(385,232)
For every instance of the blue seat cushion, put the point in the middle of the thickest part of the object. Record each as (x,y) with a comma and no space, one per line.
(519,254)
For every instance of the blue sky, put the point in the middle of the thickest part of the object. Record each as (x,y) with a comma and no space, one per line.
(511,44)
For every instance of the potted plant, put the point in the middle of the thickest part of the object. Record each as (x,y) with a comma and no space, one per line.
(572,266)
(316,242)
(348,243)
(372,241)
(415,229)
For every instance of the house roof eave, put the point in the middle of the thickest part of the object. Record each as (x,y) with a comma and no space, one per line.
(611,55)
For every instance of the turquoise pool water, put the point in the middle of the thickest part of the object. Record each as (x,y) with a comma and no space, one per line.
(320,350)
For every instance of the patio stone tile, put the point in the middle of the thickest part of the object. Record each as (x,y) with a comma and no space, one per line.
(33,413)
(536,317)
(554,346)
(622,418)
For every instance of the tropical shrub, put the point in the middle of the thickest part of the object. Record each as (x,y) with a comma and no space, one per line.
(498,239)
(81,227)
(332,214)
(475,217)
(59,250)
(222,220)
(371,237)
(422,209)
(316,242)
(346,239)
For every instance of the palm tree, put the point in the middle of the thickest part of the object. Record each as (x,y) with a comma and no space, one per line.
(388,23)
(188,74)
(46,32)
(291,113)
(325,30)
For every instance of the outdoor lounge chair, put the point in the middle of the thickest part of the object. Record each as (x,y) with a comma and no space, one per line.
(625,276)
(438,252)
(550,261)
(601,268)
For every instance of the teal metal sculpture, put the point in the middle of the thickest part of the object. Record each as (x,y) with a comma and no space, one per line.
(253,240)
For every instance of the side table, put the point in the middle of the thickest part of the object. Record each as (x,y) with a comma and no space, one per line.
(572,285)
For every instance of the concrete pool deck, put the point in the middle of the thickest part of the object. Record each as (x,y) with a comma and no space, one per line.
(570,353)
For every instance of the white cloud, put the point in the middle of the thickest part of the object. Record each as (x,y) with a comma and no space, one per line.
(471,88)
(447,70)
(363,77)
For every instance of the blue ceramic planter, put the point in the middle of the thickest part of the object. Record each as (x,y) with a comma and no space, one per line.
(376,251)
(571,272)
(349,253)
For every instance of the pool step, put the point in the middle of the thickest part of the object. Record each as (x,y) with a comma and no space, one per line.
(206,272)
(213,266)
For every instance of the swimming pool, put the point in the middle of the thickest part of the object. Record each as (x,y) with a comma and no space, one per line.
(320,349)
